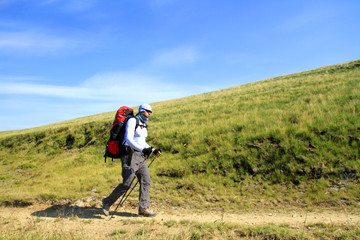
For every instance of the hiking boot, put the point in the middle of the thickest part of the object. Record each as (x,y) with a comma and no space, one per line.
(146,213)
(105,208)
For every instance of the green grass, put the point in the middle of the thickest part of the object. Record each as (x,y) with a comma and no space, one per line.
(290,139)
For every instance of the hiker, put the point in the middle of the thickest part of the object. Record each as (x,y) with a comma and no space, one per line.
(134,162)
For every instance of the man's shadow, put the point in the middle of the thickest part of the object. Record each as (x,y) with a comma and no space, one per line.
(68,211)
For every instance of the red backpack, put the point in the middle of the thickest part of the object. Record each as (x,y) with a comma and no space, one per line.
(114,147)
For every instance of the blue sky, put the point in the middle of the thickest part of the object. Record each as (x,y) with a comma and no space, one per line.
(64,59)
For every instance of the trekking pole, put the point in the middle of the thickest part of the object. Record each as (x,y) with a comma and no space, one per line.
(126,194)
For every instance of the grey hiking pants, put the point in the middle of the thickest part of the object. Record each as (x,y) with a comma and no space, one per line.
(133,164)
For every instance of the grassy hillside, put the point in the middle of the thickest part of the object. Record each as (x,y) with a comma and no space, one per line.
(291,140)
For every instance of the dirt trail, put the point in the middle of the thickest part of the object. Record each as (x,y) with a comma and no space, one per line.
(89,222)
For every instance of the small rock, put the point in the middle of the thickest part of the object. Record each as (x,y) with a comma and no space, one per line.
(79,203)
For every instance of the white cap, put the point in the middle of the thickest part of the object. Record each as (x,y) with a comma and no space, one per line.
(144,107)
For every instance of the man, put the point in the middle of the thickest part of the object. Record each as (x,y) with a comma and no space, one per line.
(134,162)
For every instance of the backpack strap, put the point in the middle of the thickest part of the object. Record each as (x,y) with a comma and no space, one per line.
(138,123)
(136,126)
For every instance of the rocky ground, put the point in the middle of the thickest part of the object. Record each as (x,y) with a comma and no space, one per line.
(80,219)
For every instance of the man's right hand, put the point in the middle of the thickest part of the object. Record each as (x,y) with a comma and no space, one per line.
(157,152)
(148,151)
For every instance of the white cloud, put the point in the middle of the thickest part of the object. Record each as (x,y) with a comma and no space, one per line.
(44,90)
(5,78)
(175,57)
(130,85)
(32,41)
(102,87)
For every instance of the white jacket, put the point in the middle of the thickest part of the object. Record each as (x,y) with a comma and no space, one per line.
(135,138)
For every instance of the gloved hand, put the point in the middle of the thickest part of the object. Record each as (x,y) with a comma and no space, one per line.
(156,151)
(148,151)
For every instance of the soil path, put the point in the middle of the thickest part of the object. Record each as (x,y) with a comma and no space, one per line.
(89,222)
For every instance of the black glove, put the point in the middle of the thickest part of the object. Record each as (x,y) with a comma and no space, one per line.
(148,151)
(157,150)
